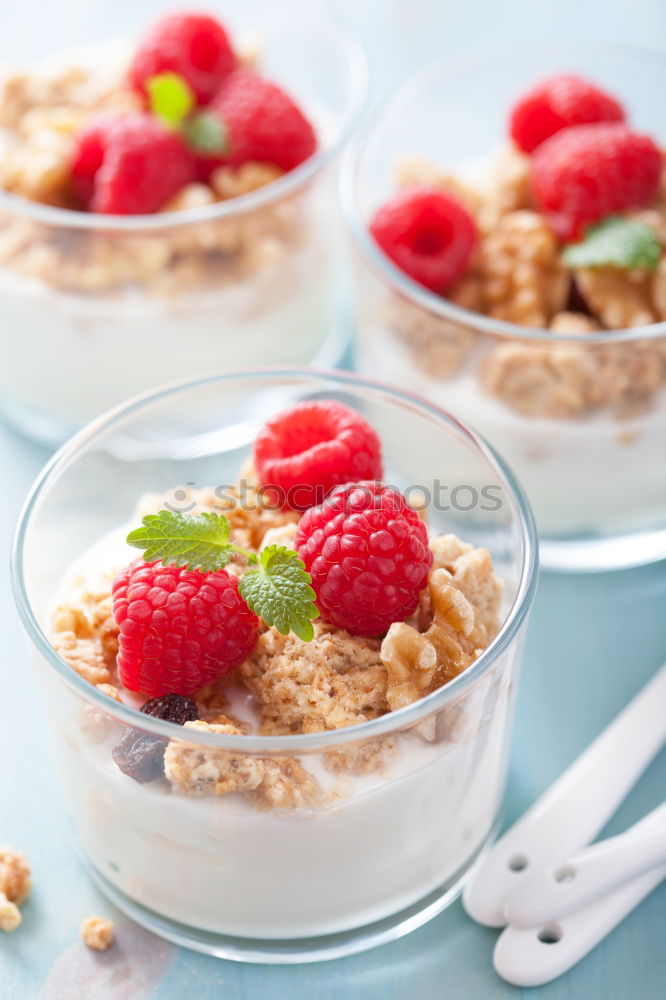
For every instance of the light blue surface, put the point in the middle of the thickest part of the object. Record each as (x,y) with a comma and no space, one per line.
(593,641)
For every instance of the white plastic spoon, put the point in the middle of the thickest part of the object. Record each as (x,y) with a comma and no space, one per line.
(552,893)
(535,956)
(575,808)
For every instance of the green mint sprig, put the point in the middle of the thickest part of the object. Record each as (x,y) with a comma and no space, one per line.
(615,242)
(172,100)
(277,587)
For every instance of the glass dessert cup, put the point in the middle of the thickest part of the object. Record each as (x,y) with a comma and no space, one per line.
(385,850)
(580,416)
(98,308)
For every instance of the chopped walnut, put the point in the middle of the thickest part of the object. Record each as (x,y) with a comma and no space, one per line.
(659,290)
(619,298)
(97,933)
(15,880)
(10,915)
(510,189)
(334,681)
(522,276)
(418,663)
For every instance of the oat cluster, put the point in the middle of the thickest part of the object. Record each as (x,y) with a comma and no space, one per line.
(335,681)
(15,885)
(517,275)
(41,111)
(97,933)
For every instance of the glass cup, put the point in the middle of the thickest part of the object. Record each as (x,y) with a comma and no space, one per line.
(580,416)
(381,852)
(98,308)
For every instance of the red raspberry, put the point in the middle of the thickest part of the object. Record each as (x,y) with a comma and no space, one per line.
(367,552)
(195,46)
(557,103)
(179,628)
(307,451)
(261,123)
(428,234)
(584,173)
(129,165)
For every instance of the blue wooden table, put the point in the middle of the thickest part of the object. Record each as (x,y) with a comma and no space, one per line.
(593,642)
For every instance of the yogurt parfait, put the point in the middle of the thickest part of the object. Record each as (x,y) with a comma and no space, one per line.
(281,694)
(166,209)
(514,269)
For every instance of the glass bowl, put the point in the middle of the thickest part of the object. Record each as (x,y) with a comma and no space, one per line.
(98,308)
(580,416)
(382,852)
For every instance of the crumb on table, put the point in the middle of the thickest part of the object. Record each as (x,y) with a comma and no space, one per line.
(97,933)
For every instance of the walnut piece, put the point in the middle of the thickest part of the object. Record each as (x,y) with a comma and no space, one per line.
(523,278)
(619,298)
(418,663)
(97,933)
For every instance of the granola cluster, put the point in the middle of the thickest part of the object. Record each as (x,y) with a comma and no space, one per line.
(335,681)
(97,933)
(517,275)
(15,885)
(41,111)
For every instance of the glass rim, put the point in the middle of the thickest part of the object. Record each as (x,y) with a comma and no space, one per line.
(373,122)
(357,76)
(298,742)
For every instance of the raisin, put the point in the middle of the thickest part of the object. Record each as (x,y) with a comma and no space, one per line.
(140,755)
(172,708)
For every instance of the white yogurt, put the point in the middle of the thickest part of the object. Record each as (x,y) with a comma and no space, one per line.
(592,474)
(67,358)
(219,864)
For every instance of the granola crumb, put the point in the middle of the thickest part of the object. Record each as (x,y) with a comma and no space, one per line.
(97,933)
(10,915)
(285,785)
(15,881)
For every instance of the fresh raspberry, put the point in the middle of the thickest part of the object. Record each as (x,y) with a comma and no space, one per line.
(261,122)
(584,173)
(367,552)
(195,46)
(129,165)
(428,234)
(557,103)
(179,628)
(303,453)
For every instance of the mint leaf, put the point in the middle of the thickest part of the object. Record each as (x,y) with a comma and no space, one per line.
(170,98)
(198,542)
(279,591)
(206,133)
(615,242)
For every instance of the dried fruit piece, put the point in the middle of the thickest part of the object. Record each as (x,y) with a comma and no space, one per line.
(141,755)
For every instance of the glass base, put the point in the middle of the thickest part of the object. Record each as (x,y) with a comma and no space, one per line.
(35,425)
(301,950)
(598,555)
